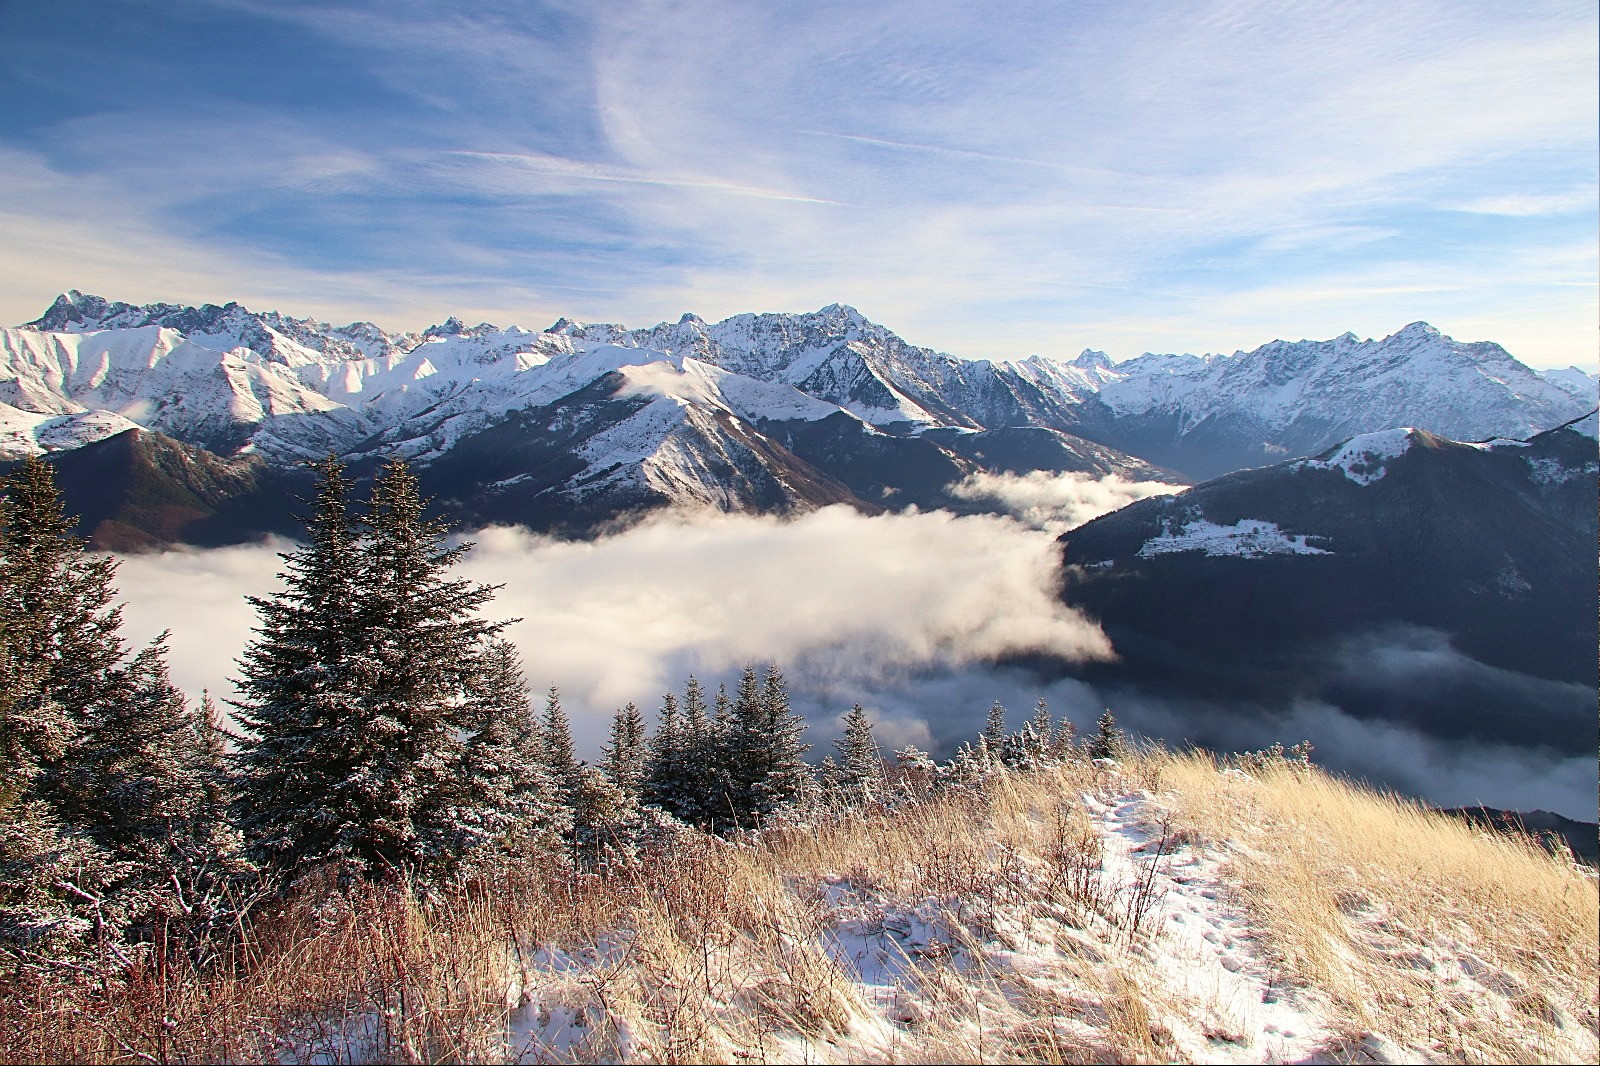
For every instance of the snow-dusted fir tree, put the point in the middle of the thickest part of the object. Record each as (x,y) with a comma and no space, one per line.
(669,782)
(504,804)
(423,638)
(556,749)
(994,729)
(358,689)
(50,879)
(60,647)
(301,698)
(1108,741)
(1042,732)
(761,754)
(702,783)
(767,757)
(623,760)
(108,786)
(146,789)
(860,763)
(61,631)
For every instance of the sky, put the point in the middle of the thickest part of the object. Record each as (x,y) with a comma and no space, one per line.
(987,180)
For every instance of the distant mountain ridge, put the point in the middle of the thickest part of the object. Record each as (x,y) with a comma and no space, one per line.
(1400,575)
(771,412)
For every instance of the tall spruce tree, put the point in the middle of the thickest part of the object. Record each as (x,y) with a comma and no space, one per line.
(107,784)
(764,755)
(359,689)
(146,789)
(1043,730)
(62,633)
(787,779)
(422,655)
(668,781)
(300,694)
(1108,741)
(702,781)
(557,750)
(624,757)
(994,729)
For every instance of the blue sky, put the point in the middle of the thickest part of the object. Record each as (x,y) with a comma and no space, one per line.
(983,179)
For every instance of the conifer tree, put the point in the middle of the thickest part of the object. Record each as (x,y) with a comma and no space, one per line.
(719,803)
(743,763)
(702,779)
(141,781)
(145,789)
(359,687)
(423,637)
(62,632)
(787,779)
(556,746)
(860,771)
(1108,741)
(213,755)
(696,723)
(49,878)
(107,785)
(1043,724)
(624,757)
(504,803)
(301,697)
(669,781)
(994,730)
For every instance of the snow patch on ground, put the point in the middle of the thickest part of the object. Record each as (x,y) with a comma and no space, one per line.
(1554,472)
(1233,1004)
(1364,459)
(1248,538)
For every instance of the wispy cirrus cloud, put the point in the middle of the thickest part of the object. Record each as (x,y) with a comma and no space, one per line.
(991,183)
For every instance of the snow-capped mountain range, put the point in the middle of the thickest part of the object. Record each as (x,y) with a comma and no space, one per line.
(759,410)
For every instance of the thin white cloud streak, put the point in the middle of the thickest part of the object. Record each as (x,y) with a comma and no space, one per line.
(1221,127)
(1056,503)
(556,166)
(835,597)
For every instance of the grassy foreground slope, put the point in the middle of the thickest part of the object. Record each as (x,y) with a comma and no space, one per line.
(1165,909)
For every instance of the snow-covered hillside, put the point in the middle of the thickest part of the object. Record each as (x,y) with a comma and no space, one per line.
(671,409)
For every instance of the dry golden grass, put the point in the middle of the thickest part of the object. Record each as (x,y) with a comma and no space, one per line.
(716,953)
(1386,905)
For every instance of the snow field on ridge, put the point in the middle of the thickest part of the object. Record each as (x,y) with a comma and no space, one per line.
(1248,538)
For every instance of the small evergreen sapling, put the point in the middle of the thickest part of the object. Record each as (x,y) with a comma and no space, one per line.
(860,765)
(1108,741)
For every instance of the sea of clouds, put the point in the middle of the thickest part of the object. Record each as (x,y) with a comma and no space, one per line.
(912,615)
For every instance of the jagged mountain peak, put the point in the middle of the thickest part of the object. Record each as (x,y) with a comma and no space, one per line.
(1419,329)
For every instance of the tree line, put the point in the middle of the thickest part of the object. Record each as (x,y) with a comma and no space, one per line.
(382,731)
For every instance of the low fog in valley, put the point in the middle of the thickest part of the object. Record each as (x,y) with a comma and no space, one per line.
(905,614)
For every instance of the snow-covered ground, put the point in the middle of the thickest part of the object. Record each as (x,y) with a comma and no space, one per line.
(1086,922)
(1365,458)
(1151,936)
(1248,538)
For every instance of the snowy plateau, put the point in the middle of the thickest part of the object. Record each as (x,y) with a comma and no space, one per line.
(759,412)
(1247,538)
